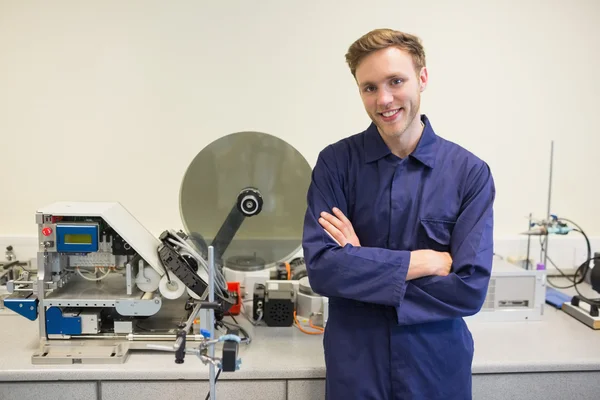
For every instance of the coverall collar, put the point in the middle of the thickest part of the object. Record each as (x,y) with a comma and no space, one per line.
(425,152)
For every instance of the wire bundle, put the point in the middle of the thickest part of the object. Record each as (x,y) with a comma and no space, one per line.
(188,250)
(582,270)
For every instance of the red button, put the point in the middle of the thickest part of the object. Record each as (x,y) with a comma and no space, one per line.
(47,231)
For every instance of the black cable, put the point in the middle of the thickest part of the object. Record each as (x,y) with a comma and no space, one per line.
(233,318)
(560,270)
(583,268)
(583,265)
(164,266)
(563,274)
(167,272)
(586,265)
(246,338)
(217,377)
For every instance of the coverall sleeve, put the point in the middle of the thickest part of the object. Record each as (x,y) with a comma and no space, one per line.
(462,292)
(367,274)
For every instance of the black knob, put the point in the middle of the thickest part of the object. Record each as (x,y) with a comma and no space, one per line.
(180,353)
(250,202)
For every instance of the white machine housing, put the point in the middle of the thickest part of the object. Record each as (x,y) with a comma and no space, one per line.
(514,294)
(134,284)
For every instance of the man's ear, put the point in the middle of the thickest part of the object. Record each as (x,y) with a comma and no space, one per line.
(423,78)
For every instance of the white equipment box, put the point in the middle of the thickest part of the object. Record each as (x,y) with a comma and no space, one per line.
(514,294)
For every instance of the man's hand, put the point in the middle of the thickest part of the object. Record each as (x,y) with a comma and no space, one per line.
(339,228)
(428,263)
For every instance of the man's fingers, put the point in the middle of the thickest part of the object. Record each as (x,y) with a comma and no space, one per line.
(334,239)
(338,213)
(333,220)
(332,231)
(348,228)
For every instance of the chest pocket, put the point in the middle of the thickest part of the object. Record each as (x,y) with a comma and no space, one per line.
(435,234)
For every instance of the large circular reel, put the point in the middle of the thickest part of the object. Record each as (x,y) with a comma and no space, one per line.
(245,194)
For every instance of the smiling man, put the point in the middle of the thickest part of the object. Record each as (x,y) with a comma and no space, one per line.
(398,234)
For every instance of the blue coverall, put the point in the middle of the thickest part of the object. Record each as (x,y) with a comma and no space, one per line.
(388,338)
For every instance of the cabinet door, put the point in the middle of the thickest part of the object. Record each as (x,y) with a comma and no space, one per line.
(49,391)
(177,390)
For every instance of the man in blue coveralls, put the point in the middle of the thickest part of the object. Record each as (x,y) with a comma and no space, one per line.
(398,234)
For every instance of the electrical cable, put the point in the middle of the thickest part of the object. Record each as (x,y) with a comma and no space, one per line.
(583,269)
(220,279)
(249,317)
(78,270)
(584,265)
(164,266)
(318,330)
(216,378)
(563,274)
(247,338)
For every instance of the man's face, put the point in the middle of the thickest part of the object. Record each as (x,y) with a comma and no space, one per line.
(390,89)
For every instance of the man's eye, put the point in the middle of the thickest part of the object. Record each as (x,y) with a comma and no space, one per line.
(369,88)
(396,81)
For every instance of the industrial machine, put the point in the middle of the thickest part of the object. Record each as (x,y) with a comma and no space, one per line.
(514,294)
(102,275)
(105,285)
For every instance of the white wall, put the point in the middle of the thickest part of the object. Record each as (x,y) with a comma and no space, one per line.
(111,100)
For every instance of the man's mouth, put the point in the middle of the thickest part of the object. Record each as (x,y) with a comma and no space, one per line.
(390,114)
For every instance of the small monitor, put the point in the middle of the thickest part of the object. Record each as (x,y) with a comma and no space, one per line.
(78,238)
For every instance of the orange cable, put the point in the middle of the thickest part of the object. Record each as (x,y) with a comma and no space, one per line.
(319,329)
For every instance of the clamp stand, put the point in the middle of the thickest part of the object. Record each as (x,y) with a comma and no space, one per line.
(231,341)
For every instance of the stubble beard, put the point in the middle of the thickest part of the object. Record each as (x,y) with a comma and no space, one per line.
(406,123)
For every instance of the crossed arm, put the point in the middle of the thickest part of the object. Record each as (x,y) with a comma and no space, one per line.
(338,266)
(422,262)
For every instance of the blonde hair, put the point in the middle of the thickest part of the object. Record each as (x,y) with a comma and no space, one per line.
(379,39)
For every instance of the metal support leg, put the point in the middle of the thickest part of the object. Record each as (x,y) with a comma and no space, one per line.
(211,316)
(128,274)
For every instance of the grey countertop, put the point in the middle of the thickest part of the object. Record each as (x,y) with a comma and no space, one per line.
(556,343)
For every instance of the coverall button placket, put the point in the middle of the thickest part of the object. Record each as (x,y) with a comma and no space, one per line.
(398,202)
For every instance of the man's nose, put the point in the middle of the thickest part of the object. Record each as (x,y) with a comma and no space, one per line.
(384,98)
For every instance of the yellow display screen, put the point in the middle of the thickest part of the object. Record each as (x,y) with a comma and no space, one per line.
(78,238)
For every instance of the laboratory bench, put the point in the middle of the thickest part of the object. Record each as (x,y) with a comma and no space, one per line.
(557,357)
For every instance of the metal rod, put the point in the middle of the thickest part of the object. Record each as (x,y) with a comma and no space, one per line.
(188,325)
(170,349)
(166,336)
(528,245)
(140,337)
(549,201)
(211,317)
(128,273)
